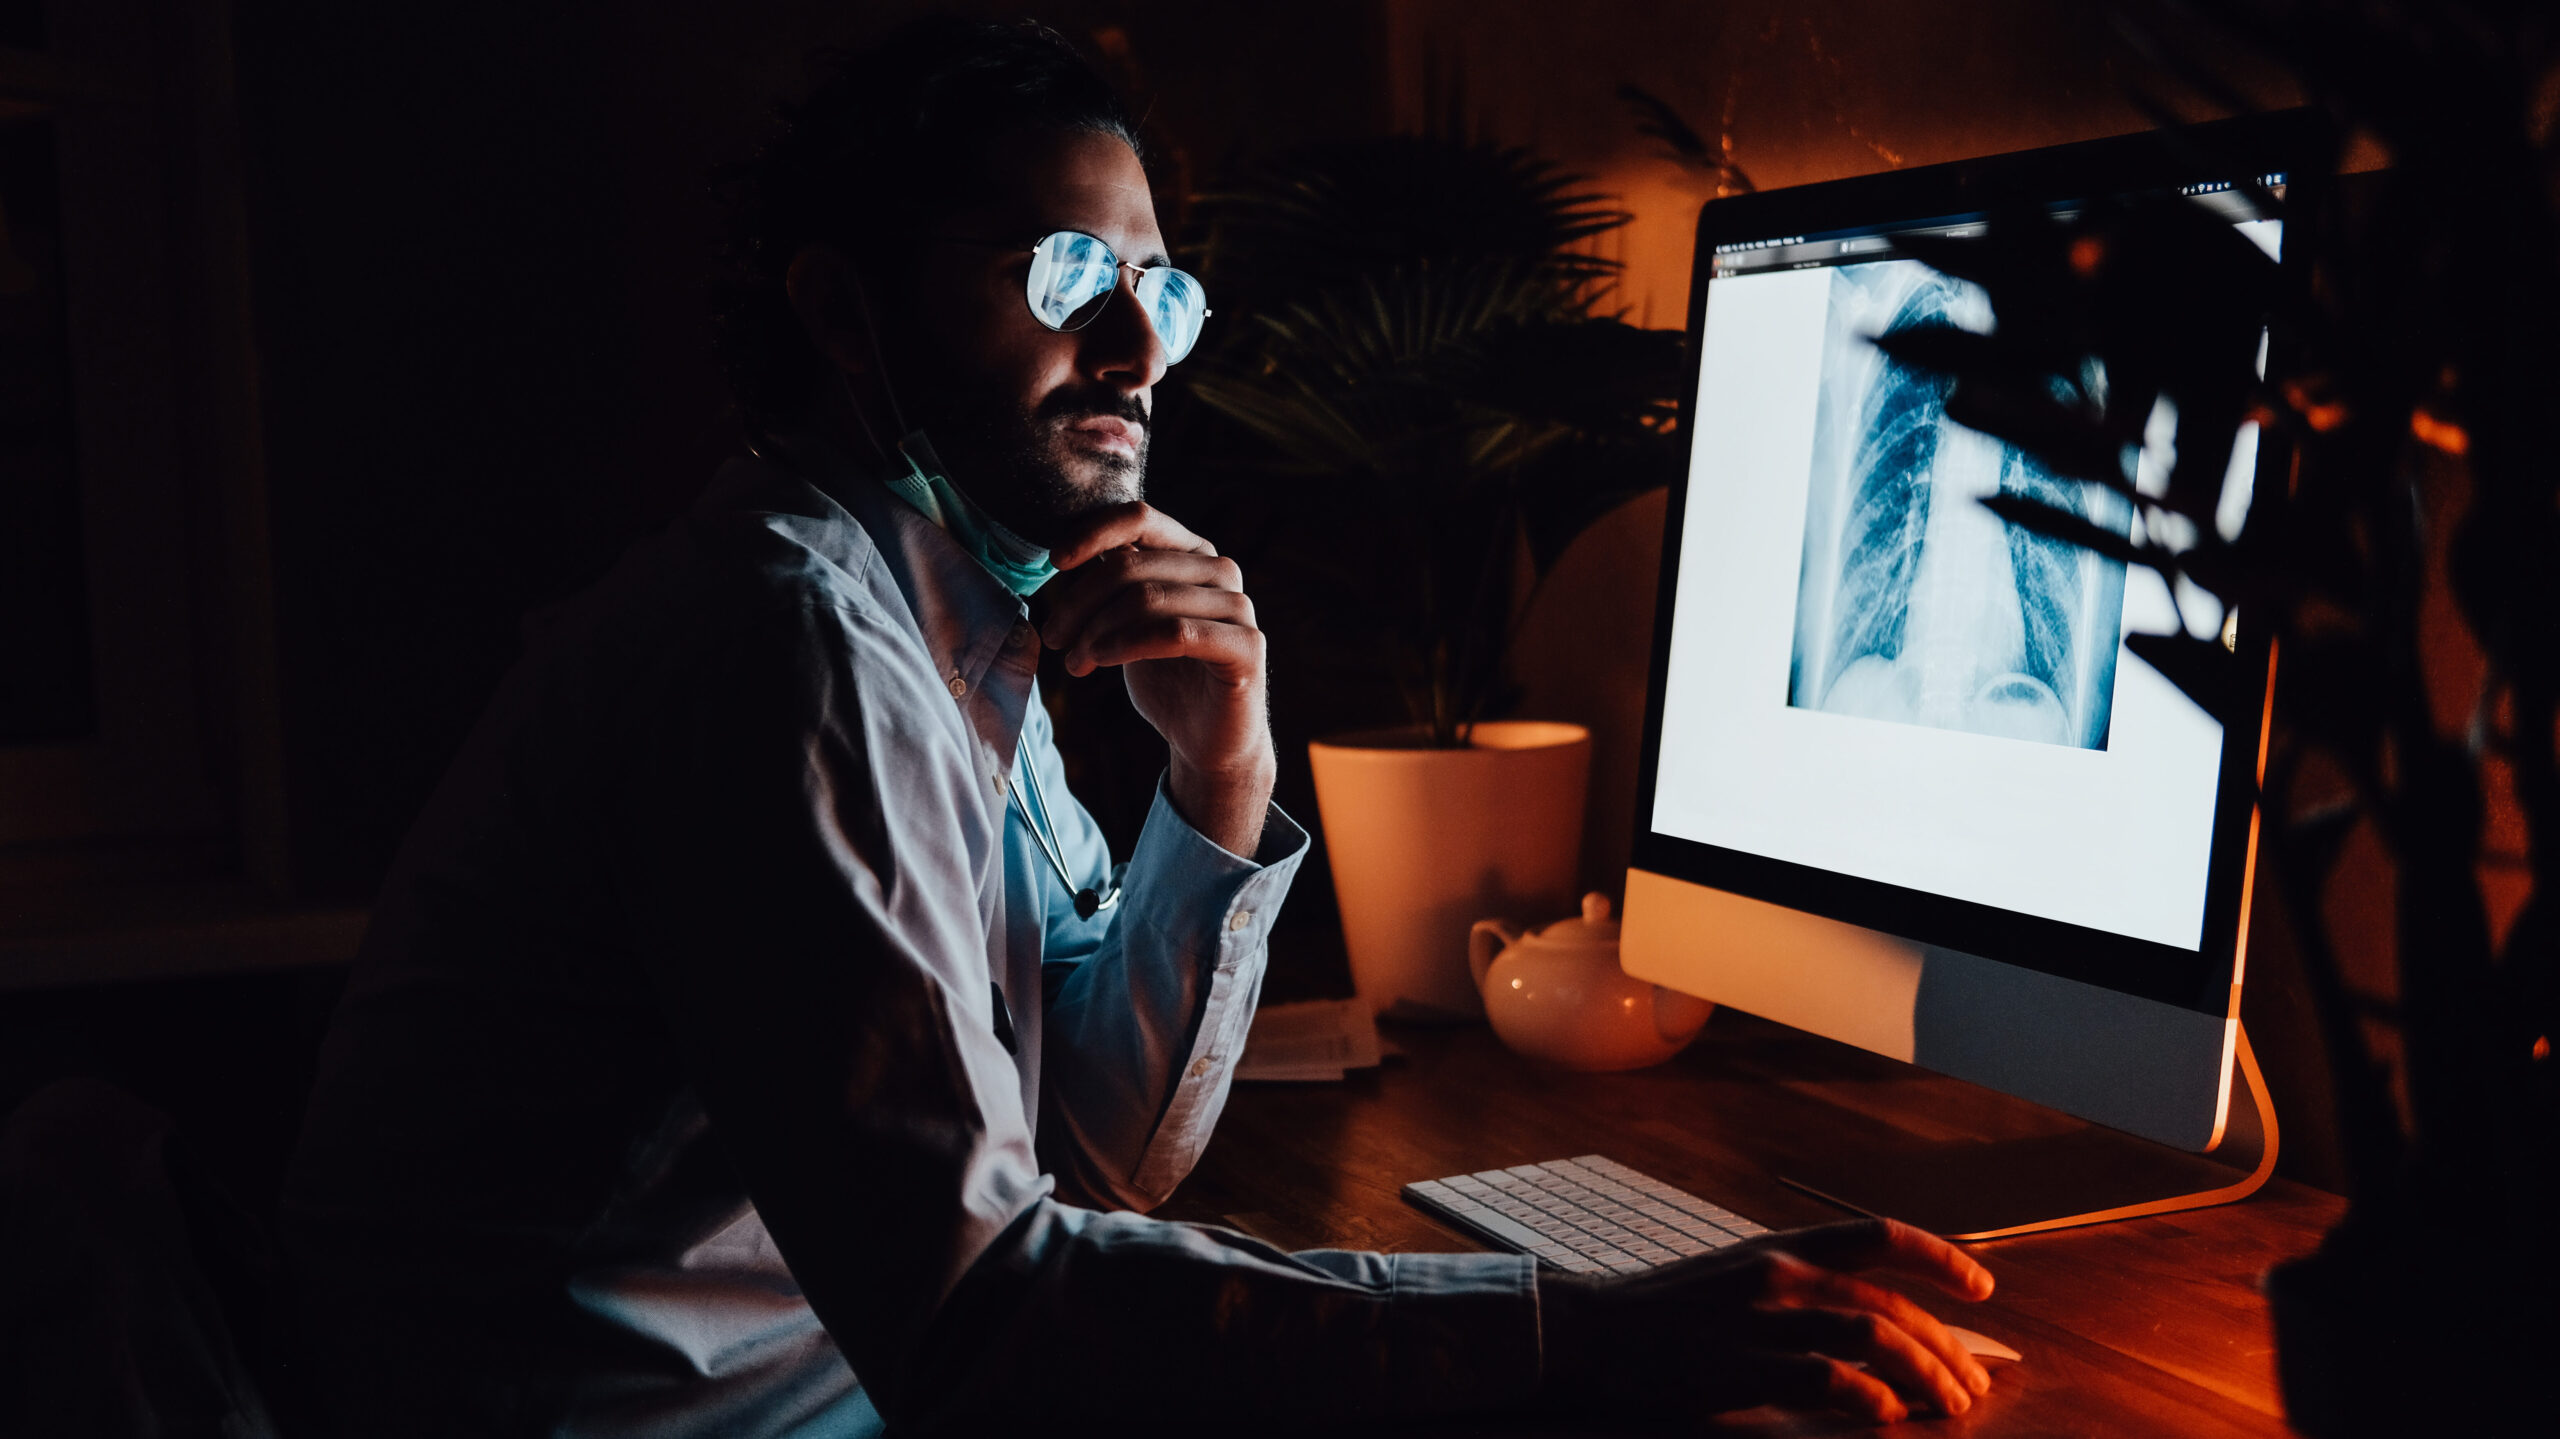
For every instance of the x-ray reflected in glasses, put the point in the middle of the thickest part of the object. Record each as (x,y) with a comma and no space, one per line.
(1916,604)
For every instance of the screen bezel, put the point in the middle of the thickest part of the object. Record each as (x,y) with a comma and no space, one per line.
(2199,978)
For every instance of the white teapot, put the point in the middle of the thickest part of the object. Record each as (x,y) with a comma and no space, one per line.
(1557,994)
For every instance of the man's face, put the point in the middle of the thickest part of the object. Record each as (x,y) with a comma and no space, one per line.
(1038,426)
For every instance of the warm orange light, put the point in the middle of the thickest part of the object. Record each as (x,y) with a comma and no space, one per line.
(2087,254)
(2321,415)
(2441,434)
(2542,1046)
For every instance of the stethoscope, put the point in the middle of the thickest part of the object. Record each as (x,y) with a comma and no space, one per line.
(1044,833)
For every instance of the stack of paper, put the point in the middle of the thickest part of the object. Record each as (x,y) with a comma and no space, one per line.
(1320,1039)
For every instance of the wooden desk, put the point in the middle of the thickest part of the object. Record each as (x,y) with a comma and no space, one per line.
(2149,1327)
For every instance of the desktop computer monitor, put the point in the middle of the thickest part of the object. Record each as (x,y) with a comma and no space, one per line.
(1902,784)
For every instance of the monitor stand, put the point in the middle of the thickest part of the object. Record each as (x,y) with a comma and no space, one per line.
(1992,1189)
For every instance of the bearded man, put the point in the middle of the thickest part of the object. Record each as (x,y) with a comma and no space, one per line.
(755,1037)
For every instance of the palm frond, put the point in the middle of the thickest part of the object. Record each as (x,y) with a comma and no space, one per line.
(1330,214)
(1416,344)
(1655,119)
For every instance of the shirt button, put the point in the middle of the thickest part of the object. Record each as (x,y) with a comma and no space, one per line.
(997,780)
(1239,920)
(959,686)
(1200,1067)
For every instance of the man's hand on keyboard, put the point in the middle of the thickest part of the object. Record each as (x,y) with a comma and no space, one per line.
(1779,1319)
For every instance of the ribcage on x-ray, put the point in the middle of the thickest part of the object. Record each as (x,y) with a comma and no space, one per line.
(1889,510)
(2047,572)
(2025,648)
(2071,599)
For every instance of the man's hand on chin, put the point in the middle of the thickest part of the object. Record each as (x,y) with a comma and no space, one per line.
(1140,591)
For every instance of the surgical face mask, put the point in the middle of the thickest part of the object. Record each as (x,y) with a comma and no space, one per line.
(916,476)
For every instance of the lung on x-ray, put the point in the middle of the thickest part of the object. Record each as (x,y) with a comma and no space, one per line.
(1917,604)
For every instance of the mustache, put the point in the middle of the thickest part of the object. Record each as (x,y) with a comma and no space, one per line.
(1092,404)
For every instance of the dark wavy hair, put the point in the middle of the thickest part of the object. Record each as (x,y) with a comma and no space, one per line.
(890,138)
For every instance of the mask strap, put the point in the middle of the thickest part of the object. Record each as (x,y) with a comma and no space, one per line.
(917,476)
(879,360)
(854,402)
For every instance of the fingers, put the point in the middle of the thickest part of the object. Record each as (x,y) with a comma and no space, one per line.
(1073,599)
(1886,1346)
(1212,626)
(1795,1282)
(1811,1381)
(1843,1291)
(1890,1244)
(1135,523)
(1155,620)
(1231,652)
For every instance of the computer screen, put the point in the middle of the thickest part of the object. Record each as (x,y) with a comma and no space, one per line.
(1932,698)
(1903,781)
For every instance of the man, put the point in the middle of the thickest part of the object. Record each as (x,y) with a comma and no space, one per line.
(754,1037)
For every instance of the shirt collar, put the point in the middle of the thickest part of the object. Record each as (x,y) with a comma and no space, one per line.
(978,632)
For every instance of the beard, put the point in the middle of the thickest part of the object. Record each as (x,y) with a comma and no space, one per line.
(1017,464)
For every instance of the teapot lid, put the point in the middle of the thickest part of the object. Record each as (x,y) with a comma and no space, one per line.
(1595,925)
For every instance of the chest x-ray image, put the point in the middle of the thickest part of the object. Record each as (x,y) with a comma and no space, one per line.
(1916,604)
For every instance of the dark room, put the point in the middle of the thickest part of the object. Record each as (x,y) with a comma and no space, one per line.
(797,720)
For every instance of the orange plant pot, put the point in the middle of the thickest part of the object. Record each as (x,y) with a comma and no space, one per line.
(1425,842)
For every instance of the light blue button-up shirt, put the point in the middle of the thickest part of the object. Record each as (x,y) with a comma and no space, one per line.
(670,1093)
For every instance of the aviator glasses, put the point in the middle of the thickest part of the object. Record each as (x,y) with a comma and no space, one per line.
(1073,276)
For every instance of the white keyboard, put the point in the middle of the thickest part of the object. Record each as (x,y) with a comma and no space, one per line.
(1590,1215)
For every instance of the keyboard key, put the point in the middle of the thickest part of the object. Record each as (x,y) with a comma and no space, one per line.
(1516,1235)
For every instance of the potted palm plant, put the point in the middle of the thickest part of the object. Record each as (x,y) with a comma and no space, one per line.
(2411,579)
(1428,374)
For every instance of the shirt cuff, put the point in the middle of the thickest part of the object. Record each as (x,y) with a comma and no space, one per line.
(1191,902)
(1177,875)
(1464,1331)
